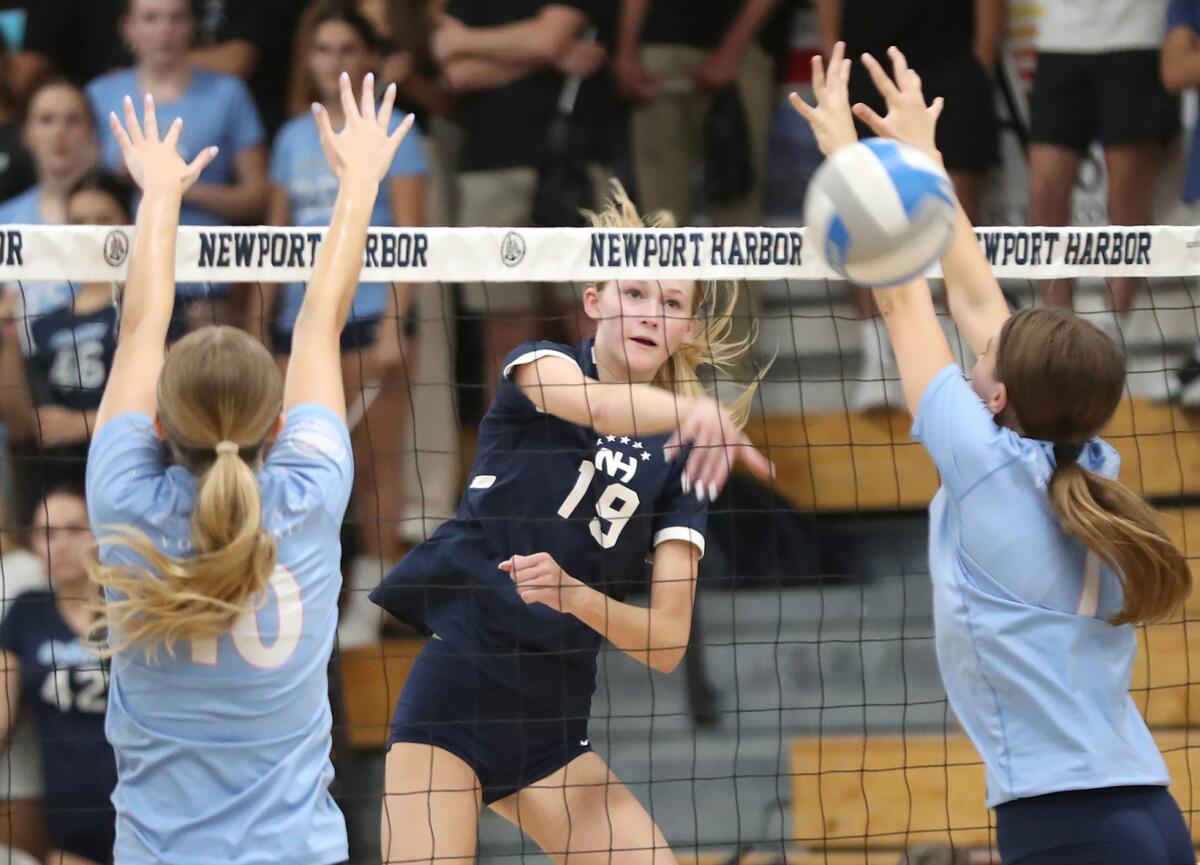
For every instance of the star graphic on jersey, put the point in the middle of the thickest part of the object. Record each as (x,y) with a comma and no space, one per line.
(599,442)
(610,438)
(624,440)
(637,446)
(645,455)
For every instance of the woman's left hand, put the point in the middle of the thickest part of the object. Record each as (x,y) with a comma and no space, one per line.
(541,580)
(153,161)
(830,118)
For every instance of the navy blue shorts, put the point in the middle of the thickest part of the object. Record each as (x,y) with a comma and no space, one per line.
(1113,826)
(88,832)
(513,718)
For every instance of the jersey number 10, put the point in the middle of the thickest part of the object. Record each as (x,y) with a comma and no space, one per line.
(615,506)
(247,637)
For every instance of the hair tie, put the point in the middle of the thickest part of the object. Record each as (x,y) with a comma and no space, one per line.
(1066,452)
(227,447)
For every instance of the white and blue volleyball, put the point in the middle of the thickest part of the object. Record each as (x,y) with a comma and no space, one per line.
(880,212)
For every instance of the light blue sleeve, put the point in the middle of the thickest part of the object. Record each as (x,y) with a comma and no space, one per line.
(125,470)
(410,156)
(281,158)
(245,126)
(961,435)
(103,98)
(314,452)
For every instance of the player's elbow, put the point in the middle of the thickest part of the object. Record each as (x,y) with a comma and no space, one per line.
(1174,75)
(666,660)
(559,26)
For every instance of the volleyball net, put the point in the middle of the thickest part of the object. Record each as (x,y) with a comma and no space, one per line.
(808,719)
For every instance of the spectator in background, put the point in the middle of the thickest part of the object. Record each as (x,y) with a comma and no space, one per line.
(82,40)
(16,168)
(1181,71)
(49,667)
(404,28)
(69,351)
(60,138)
(216,109)
(1098,79)
(956,60)
(671,57)
(506,59)
(431,457)
(21,823)
(303,192)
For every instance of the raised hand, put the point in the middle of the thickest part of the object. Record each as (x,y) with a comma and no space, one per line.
(151,161)
(830,118)
(716,445)
(363,146)
(908,119)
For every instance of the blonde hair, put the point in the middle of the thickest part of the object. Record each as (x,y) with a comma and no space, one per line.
(714,343)
(219,388)
(1065,378)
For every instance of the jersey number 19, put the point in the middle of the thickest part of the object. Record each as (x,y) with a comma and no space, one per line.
(615,506)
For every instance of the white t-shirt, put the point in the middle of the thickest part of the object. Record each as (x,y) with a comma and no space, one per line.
(1098,26)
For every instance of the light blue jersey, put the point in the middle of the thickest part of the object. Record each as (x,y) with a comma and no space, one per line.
(223,750)
(1037,676)
(298,165)
(216,110)
(37,298)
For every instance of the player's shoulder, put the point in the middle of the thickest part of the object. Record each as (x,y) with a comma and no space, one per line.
(122,80)
(18,208)
(298,127)
(531,352)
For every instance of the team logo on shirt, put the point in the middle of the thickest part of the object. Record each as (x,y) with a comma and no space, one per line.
(116,247)
(512,249)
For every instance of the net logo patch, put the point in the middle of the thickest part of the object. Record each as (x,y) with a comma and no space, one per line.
(512,249)
(116,248)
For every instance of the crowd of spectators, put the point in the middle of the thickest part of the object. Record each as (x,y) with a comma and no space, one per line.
(676,100)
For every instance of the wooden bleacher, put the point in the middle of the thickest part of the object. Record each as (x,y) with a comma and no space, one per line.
(868,462)
(892,792)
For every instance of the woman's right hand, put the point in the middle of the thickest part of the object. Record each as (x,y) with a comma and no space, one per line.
(153,162)
(831,120)
(716,444)
(909,119)
(363,146)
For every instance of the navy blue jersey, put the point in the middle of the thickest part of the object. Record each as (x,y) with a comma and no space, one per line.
(65,685)
(69,354)
(598,504)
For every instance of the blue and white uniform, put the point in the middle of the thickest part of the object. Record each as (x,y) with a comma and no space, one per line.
(1035,673)
(223,749)
(507,686)
(298,165)
(65,685)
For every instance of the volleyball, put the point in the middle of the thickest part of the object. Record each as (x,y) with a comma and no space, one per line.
(880,212)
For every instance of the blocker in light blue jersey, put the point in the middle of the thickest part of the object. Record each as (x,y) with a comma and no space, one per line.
(223,750)
(1036,674)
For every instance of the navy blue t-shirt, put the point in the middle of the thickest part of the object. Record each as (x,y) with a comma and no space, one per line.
(65,685)
(598,504)
(68,355)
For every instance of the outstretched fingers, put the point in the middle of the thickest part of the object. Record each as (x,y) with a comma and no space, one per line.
(197,165)
(346,94)
(384,118)
(402,130)
(883,83)
(131,122)
(367,100)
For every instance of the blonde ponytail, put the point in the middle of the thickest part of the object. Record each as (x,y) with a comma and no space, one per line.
(219,396)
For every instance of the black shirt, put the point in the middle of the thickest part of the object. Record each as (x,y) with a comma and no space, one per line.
(506,127)
(922,29)
(16,168)
(703,23)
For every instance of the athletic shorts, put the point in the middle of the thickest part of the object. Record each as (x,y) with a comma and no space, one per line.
(514,718)
(1116,98)
(87,831)
(1113,826)
(968,131)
